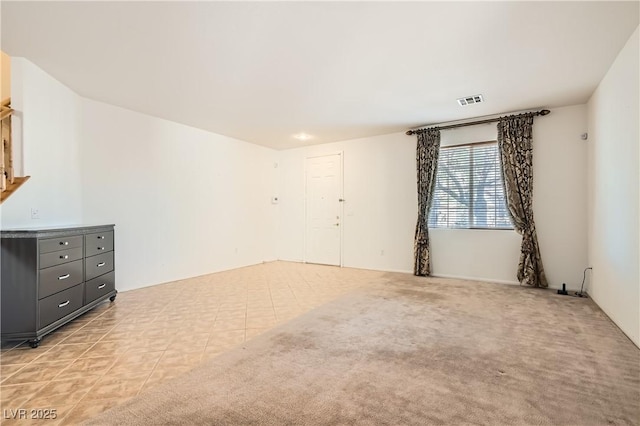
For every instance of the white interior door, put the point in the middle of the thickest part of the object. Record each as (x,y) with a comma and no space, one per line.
(323,209)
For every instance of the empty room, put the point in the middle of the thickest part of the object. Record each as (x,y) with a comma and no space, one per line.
(320,213)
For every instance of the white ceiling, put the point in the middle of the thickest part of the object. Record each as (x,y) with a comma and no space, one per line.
(262,71)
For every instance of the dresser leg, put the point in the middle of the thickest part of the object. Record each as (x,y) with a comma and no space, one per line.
(34,343)
(112,298)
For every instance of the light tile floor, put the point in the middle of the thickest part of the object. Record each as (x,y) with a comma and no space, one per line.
(150,335)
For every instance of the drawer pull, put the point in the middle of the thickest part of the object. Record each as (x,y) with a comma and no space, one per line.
(101,237)
(64,277)
(64,243)
(101,286)
(100,248)
(63,304)
(66,256)
(101,264)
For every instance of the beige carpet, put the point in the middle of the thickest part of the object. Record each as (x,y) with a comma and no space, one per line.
(415,351)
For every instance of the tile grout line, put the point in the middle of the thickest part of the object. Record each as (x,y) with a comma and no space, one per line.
(151,372)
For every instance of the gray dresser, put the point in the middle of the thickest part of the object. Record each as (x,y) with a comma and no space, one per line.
(52,275)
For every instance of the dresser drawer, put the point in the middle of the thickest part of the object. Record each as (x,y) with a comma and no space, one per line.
(58,278)
(97,265)
(59,257)
(54,307)
(98,243)
(62,243)
(100,286)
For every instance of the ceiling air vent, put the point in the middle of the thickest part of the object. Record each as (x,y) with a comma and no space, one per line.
(470,100)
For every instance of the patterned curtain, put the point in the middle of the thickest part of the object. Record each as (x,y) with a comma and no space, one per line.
(515,144)
(427,162)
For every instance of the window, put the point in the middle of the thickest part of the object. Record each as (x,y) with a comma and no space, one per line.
(469,192)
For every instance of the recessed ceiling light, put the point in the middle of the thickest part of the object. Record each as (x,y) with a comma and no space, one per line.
(302,136)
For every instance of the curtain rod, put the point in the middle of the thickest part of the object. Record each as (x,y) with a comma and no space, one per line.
(473,123)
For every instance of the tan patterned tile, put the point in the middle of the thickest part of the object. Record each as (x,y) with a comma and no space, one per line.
(260,312)
(81,336)
(252,332)
(222,346)
(127,369)
(163,374)
(86,409)
(282,316)
(135,357)
(198,329)
(84,367)
(258,322)
(231,314)
(178,359)
(213,351)
(230,324)
(37,372)
(116,387)
(235,306)
(14,396)
(63,352)
(234,336)
(52,339)
(278,304)
(22,355)
(111,349)
(65,386)
(159,334)
(6,370)
(118,333)
(46,398)
(148,345)
(100,327)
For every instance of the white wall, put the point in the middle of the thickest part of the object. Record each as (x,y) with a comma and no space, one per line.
(381,206)
(185,202)
(560,194)
(614,191)
(45,129)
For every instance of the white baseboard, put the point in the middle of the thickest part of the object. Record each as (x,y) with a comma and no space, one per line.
(400,271)
(615,321)
(490,280)
(406,271)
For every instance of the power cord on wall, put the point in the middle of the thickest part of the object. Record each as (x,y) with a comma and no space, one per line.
(580,293)
(584,275)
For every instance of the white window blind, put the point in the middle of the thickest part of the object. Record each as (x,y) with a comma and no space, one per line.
(469,192)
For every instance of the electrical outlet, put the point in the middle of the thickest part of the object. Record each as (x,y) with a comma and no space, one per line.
(35,213)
